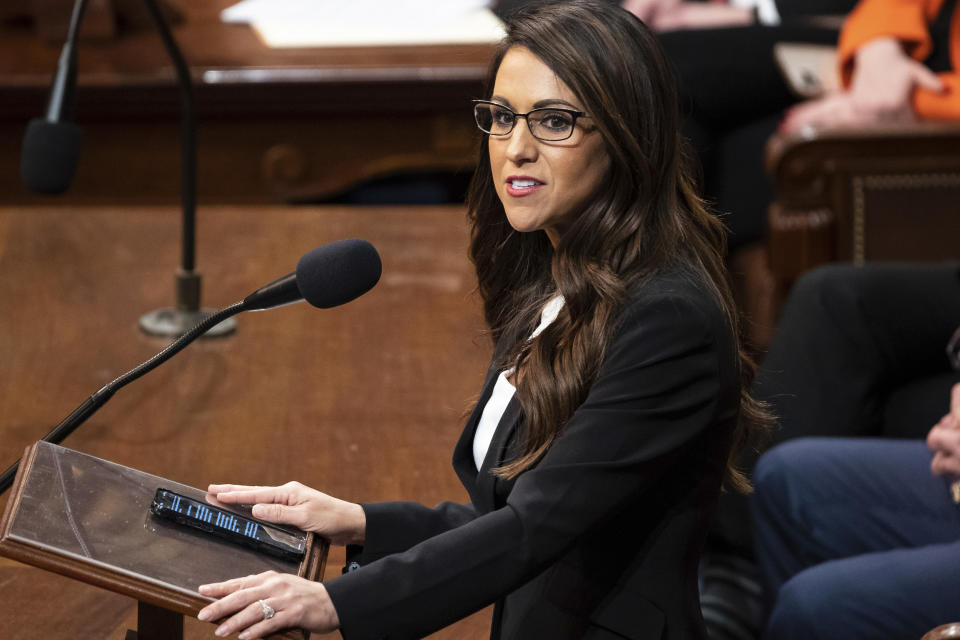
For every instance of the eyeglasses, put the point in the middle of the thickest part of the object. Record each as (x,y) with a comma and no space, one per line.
(550,124)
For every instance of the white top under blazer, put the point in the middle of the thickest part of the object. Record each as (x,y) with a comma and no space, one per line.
(503,391)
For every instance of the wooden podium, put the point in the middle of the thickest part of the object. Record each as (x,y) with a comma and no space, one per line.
(89,519)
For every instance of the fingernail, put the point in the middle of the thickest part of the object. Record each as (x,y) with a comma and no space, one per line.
(221,631)
(244,636)
(203,615)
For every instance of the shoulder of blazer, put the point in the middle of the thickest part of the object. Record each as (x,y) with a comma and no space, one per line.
(678,290)
(681,305)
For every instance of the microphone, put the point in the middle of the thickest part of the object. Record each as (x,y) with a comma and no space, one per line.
(51,145)
(326,277)
(51,151)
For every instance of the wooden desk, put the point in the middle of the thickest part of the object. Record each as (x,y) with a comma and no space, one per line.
(365,401)
(275,125)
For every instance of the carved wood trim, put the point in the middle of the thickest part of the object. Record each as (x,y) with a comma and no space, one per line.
(799,238)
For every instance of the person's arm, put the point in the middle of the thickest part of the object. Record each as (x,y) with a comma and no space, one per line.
(664,381)
(339,521)
(392,527)
(900,20)
(396,526)
(884,83)
(881,49)
(370,530)
(904,21)
(373,530)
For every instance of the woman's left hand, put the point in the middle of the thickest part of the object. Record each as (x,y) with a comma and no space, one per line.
(295,602)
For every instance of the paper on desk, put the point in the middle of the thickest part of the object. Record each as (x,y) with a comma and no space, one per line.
(319,23)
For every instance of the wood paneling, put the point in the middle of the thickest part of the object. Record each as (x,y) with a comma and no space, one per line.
(861,195)
(343,114)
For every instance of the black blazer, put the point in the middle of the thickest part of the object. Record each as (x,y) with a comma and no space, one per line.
(601,538)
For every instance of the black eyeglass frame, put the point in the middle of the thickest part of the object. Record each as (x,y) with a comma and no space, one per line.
(572,112)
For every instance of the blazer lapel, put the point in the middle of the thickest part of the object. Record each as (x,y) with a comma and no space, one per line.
(463,462)
(487,484)
(482,485)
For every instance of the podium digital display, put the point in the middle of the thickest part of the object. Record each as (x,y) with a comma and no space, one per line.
(208,518)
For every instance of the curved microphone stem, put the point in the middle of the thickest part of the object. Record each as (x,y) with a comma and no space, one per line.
(188,138)
(98,399)
(187,312)
(65,78)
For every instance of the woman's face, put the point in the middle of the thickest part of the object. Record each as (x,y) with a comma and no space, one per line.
(542,184)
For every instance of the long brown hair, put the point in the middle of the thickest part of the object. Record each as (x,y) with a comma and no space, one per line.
(645,217)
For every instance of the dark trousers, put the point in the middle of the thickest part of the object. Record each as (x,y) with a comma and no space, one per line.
(859,351)
(857,540)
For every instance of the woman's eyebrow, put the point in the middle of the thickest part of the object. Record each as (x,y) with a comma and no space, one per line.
(539,104)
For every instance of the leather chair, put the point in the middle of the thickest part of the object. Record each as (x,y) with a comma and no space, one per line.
(859,195)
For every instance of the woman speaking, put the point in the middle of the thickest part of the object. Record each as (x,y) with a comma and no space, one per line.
(615,402)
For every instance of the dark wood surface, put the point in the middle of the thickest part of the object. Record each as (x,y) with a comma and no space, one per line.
(275,124)
(870,194)
(364,401)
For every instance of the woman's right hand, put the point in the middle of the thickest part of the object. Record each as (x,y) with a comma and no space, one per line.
(339,521)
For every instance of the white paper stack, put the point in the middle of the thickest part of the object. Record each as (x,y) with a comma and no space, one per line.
(339,23)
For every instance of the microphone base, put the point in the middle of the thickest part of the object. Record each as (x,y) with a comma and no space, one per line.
(173,323)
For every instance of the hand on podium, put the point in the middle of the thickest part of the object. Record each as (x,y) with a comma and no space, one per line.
(262,604)
(339,521)
(268,602)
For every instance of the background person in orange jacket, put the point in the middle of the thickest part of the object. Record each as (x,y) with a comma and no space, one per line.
(898,63)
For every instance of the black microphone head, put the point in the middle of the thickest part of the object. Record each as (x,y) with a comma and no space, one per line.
(49,157)
(338,272)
